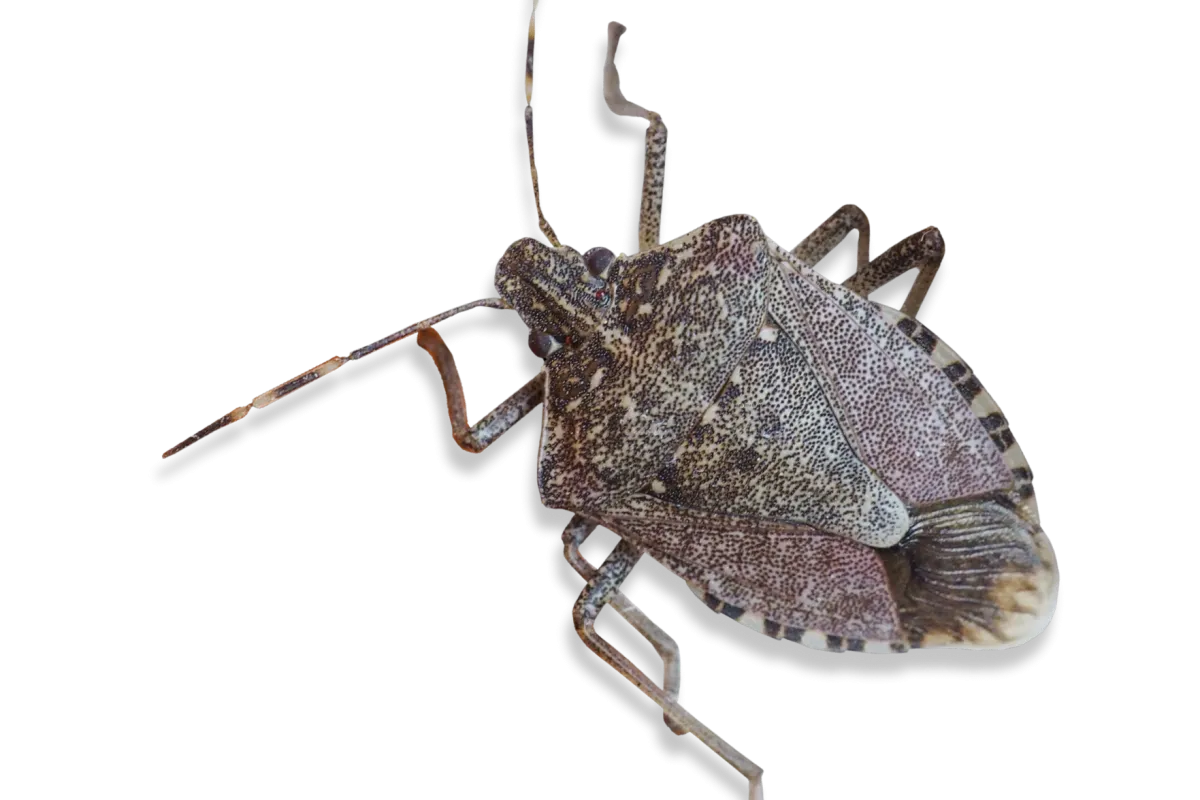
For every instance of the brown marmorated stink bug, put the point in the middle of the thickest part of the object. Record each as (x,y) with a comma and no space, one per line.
(816,466)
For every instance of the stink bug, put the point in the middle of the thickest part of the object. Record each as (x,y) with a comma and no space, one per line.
(449,509)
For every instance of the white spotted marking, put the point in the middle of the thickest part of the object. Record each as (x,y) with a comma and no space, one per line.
(1014,458)
(815,640)
(983,405)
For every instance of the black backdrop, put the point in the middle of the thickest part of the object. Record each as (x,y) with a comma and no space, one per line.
(343,594)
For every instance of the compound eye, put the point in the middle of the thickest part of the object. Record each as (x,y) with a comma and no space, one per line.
(598,260)
(543,344)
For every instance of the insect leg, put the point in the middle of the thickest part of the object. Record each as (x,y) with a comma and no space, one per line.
(831,232)
(600,591)
(574,535)
(475,438)
(546,229)
(654,175)
(922,251)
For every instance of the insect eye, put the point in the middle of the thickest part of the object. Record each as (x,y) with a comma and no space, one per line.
(543,344)
(598,260)
(602,297)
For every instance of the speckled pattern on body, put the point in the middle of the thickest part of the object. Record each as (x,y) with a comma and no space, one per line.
(649,354)
(771,446)
(781,443)
(792,575)
(900,413)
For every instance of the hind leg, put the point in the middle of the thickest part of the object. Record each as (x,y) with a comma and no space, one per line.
(574,535)
(600,591)
(923,251)
(830,233)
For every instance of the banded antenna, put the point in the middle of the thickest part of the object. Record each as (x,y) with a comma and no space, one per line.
(537,200)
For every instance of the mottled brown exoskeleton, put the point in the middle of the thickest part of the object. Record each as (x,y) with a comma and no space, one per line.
(817,466)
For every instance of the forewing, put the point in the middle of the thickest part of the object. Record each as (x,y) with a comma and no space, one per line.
(772,446)
(901,413)
(788,580)
(969,574)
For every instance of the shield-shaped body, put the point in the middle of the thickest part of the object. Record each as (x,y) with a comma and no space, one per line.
(813,464)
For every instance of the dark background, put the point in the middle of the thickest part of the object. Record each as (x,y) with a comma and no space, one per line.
(339,593)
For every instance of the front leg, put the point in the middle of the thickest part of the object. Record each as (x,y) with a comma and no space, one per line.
(475,438)
(602,590)
(654,172)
